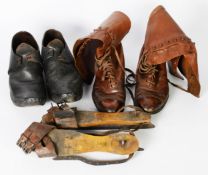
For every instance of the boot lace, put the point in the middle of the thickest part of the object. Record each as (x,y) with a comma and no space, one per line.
(151,70)
(106,65)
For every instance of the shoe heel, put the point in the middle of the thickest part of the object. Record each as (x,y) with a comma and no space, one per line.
(173,66)
(189,70)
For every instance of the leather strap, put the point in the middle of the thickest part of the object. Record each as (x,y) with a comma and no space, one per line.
(93,161)
(130,82)
(33,135)
(177,86)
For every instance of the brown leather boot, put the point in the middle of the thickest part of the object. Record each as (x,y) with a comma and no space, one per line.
(101,54)
(164,42)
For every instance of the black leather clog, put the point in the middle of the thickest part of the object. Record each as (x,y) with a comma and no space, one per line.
(63,81)
(25,72)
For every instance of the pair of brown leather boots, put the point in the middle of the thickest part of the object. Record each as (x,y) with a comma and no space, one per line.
(100,54)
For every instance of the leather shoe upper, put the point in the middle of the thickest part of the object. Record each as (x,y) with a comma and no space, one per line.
(165,42)
(25,71)
(62,79)
(101,55)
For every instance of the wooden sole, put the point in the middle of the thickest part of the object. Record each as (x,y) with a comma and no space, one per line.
(69,142)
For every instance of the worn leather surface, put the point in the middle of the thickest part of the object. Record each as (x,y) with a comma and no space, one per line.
(101,55)
(62,79)
(33,135)
(151,91)
(25,71)
(164,42)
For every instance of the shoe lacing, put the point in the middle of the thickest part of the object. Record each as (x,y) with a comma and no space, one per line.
(145,68)
(105,63)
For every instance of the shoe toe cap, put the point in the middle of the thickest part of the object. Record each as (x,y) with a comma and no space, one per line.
(110,105)
(150,104)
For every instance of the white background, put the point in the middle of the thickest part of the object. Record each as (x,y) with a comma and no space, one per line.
(178,144)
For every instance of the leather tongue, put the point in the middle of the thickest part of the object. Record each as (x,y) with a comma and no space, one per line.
(56,44)
(25,49)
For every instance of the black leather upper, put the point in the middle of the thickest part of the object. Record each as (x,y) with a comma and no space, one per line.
(25,71)
(62,79)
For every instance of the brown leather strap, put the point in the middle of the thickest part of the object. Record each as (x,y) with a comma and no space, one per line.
(93,161)
(33,135)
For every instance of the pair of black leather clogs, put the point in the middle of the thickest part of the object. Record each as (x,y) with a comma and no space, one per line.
(33,75)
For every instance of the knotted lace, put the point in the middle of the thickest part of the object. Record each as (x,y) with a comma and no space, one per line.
(145,68)
(105,64)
